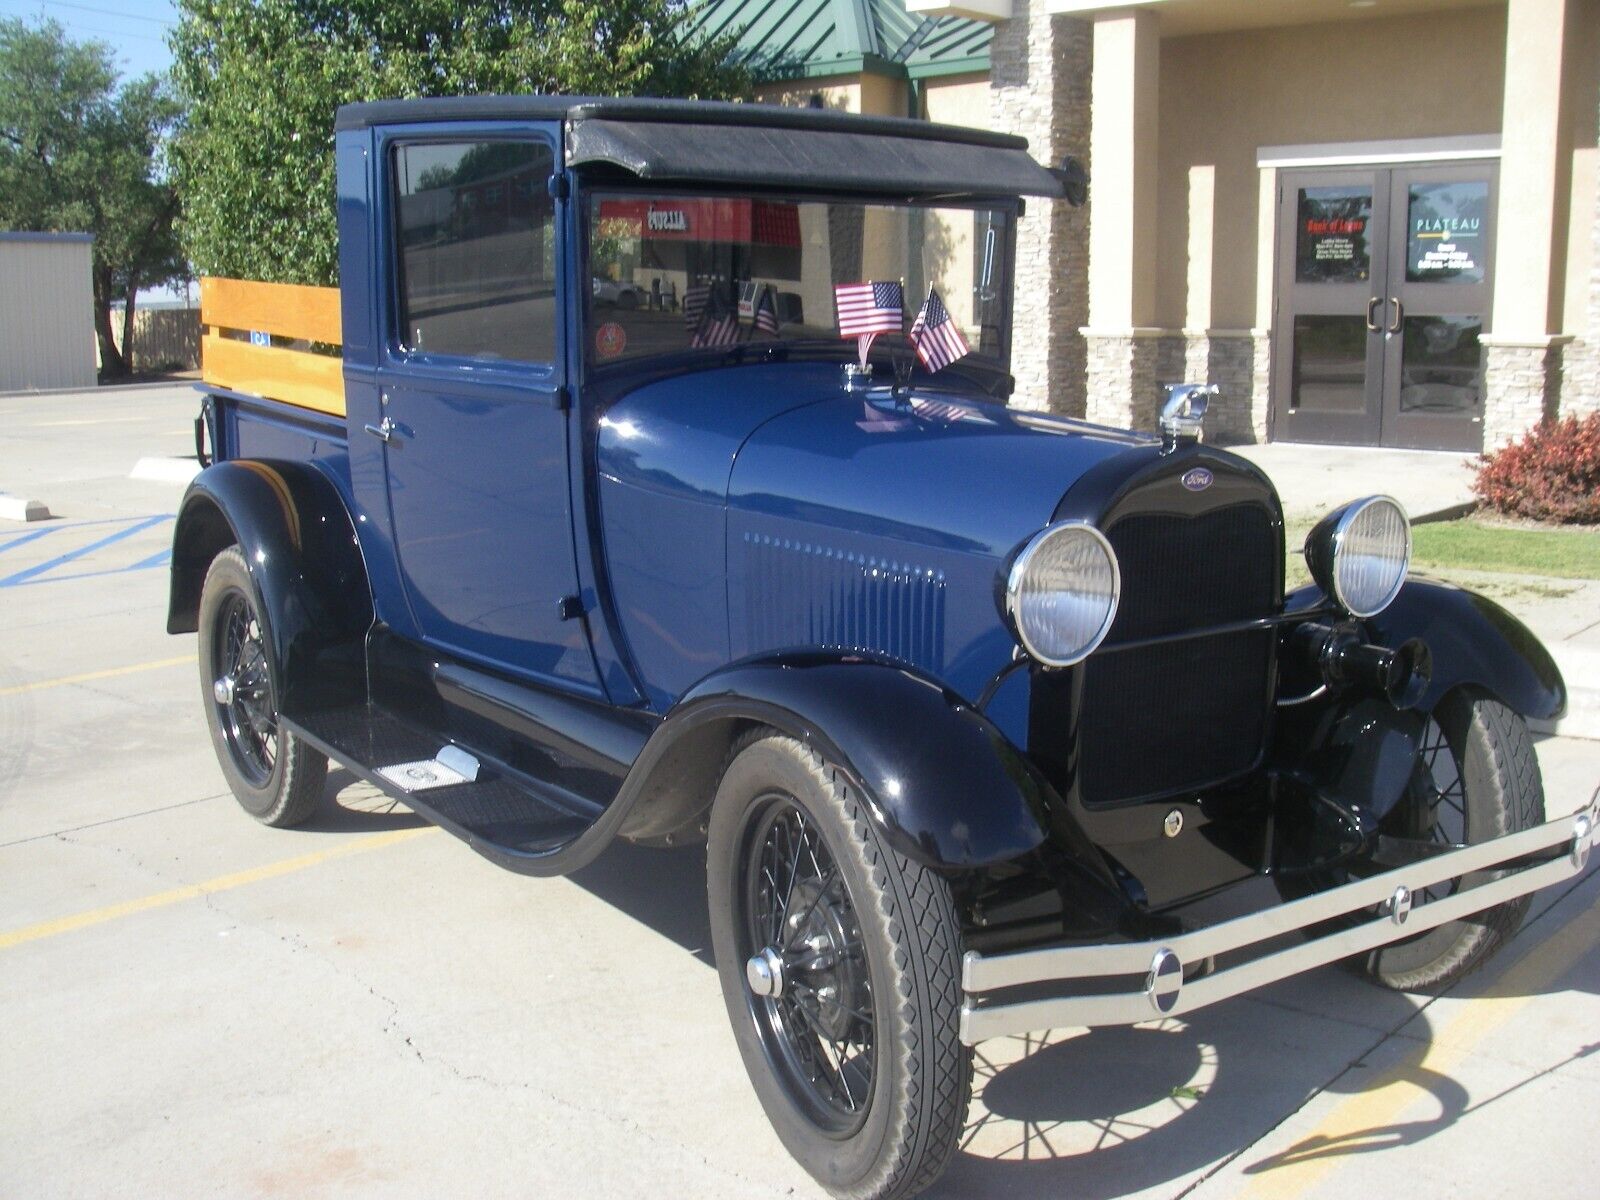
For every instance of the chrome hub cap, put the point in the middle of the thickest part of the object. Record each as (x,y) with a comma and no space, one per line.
(764,972)
(223,689)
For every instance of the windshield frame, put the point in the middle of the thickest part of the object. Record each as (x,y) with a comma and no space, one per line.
(988,374)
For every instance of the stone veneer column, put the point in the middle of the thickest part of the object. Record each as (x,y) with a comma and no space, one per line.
(1128,358)
(1521,385)
(1522,354)
(1039,88)
(1580,362)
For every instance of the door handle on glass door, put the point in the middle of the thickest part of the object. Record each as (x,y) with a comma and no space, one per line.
(1372,326)
(1394,325)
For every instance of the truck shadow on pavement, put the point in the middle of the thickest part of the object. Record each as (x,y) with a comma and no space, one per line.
(352,806)
(1102,1113)
(1097,1114)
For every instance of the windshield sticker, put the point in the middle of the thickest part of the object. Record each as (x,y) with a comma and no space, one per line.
(610,340)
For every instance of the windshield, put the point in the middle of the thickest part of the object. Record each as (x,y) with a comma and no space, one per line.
(672,272)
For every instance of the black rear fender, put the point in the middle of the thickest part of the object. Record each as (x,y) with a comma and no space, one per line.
(299,543)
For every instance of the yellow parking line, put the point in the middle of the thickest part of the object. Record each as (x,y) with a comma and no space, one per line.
(90,676)
(1365,1121)
(223,883)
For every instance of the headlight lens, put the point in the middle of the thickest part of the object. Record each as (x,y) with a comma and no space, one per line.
(1062,593)
(1359,555)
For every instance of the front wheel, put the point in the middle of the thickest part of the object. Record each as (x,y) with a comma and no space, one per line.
(275,776)
(840,963)
(1476,778)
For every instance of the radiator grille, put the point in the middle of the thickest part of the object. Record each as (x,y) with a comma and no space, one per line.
(1173,715)
(1189,712)
(1184,573)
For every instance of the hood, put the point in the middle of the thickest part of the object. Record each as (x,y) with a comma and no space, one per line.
(927,469)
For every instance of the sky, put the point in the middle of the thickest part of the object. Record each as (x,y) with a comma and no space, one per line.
(134,29)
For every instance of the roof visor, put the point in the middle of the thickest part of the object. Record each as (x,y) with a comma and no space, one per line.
(811,159)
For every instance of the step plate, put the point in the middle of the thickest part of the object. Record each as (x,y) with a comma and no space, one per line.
(496,809)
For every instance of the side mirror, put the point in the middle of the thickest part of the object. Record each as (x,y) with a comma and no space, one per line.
(1074,181)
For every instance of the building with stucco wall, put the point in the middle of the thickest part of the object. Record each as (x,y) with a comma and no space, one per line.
(1369,221)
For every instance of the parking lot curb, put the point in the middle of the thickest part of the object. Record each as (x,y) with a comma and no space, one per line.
(16,508)
(165,470)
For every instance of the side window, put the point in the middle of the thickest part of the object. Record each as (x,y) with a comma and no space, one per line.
(476,248)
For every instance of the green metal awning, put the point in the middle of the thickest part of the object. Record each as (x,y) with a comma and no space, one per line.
(808,39)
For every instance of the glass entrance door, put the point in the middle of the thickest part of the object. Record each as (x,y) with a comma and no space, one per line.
(1383,292)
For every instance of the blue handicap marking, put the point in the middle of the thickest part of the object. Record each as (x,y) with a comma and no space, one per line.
(48,571)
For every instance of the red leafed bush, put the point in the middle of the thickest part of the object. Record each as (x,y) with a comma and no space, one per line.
(1553,474)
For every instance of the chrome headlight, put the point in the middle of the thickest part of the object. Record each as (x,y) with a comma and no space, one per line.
(1360,553)
(1061,594)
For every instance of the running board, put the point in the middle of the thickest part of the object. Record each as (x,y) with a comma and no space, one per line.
(518,823)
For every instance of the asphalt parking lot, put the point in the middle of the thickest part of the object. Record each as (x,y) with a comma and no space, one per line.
(192,1004)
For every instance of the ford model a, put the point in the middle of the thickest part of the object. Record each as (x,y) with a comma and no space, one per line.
(667,491)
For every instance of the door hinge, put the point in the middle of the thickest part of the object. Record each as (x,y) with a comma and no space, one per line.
(569,608)
(561,399)
(558,186)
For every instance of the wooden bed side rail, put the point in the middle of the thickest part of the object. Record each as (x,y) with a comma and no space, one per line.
(294,374)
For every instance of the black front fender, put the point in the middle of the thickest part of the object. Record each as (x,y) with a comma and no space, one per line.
(1475,643)
(300,546)
(941,782)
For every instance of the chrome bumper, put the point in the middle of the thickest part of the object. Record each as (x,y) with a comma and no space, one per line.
(1158,967)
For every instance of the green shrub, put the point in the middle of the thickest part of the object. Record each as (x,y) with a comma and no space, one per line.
(1552,474)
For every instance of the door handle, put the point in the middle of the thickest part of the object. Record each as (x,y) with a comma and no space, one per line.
(1372,325)
(1394,325)
(384,430)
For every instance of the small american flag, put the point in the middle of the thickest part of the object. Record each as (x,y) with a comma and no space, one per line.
(869,308)
(749,293)
(766,313)
(719,323)
(934,335)
(694,304)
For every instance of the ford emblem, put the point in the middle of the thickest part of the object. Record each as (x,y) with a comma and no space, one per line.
(1198,479)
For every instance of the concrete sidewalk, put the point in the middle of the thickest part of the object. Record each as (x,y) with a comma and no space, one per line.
(1312,480)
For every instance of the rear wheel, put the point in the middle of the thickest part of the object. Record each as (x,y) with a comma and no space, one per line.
(1476,778)
(276,778)
(840,965)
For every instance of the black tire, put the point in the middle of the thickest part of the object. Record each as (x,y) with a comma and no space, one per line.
(883,934)
(1477,778)
(276,778)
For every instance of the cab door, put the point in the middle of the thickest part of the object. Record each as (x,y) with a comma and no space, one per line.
(473,418)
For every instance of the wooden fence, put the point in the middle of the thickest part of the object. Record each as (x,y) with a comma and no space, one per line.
(302,365)
(164,339)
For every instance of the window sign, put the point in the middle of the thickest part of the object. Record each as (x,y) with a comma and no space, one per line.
(1331,243)
(1447,224)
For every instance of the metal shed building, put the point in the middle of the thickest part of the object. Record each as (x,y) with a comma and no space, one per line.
(46,311)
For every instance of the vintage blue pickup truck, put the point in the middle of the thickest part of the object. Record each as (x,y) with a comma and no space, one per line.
(586,522)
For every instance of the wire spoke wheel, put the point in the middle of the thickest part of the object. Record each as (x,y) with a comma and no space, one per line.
(840,965)
(817,1025)
(1436,801)
(274,775)
(243,692)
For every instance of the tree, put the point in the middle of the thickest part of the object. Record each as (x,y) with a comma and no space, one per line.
(261,80)
(79,153)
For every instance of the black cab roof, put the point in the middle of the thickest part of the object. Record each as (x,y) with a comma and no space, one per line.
(699,141)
